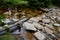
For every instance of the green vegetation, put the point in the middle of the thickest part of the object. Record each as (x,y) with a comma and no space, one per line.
(56,2)
(30,3)
(39,3)
(1,18)
(15,3)
(7,37)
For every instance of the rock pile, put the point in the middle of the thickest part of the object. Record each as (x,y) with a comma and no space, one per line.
(46,27)
(43,27)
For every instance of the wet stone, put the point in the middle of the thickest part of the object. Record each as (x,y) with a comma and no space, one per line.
(58,19)
(14,19)
(56,24)
(29,26)
(1,28)
(38,26)
(7,21)
(34,19)
(39,35)
(46,20)
(49,31)
(49,26)
(43,16)
(39,18)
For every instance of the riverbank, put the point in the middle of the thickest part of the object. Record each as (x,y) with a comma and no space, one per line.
(45,24)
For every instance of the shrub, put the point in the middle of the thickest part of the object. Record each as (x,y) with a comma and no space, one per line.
(40,3)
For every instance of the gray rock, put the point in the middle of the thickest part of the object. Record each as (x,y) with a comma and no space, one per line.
(1,29)
(15,19)
(34,19)
(38,26)
(58,13)
(58,19)
(39,18)
(58,35)
(54,13)
(29,26)
(52,22)
(56,24)
(49,31)
(59,29)
(7,21)
(49,26)
(53,17)
(6,12)
(46,20)
(39,35)
(43,16)
(49,14)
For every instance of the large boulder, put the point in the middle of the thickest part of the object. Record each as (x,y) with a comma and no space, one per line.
(29,26)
